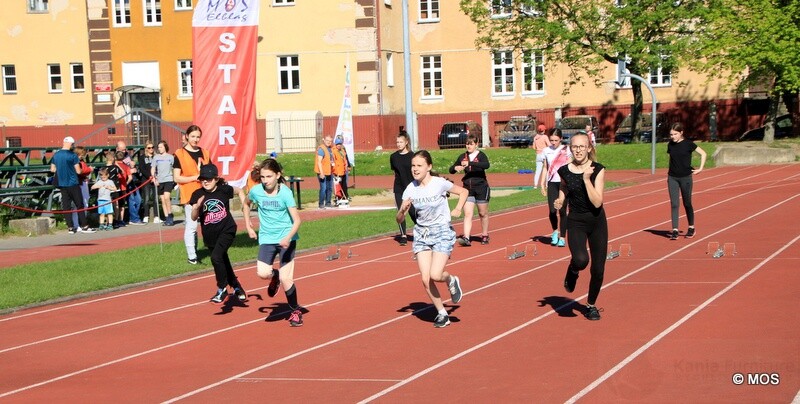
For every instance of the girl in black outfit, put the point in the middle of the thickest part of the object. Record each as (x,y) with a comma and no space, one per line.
(400,162)
(679,177)
(583,180)
(473,164)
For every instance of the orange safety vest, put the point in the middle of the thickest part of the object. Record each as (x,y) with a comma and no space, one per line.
(326,161)
(189,167)
(339,162)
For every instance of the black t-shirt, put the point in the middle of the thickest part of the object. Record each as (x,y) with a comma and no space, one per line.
(401,165)
(680,157)
(197,156)
(215,213)
(144,166)
(577,196)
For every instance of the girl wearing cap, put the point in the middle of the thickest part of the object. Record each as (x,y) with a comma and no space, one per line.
(540,143)
(582,184)
(277,207)
(211,208)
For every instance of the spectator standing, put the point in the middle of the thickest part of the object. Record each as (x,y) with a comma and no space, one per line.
(83,180)
(163,179)
(324,168)
(114,174)
(134,199)
(66,166)
(341,165)
(124,175)
(400,163)
(148,190)
(540,143)
(105,209)
(186,169)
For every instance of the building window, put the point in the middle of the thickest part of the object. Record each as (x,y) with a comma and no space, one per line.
(288,74)
(503,73)
(501,8)
(183,5)
(185,87)
(389,70)
(661,76)
(122,13)
(78,84)
(431,76)
(152,12)
(282,2)
(428,10)
(9,79)
(37,6)
(54,78)
(533,71)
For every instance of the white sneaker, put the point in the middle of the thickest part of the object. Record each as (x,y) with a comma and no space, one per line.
(145,220)
(86,229)
(156,220)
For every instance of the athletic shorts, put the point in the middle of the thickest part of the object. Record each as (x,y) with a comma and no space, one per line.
(104,207)
(165,187)
(479,193)
(438,238)
(268,252)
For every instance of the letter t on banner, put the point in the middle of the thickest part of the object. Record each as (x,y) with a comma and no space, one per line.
(225,35)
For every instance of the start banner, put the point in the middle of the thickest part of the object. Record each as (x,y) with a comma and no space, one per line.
(225,35)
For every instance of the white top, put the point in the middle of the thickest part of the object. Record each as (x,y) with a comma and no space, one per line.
(430,201)
(550,154)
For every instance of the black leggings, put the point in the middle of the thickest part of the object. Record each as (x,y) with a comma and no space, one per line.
(684,186)
(223,270)
(585,227)
(555,214)
(412,213)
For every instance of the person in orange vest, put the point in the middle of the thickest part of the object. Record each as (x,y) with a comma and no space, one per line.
(186,171)
(341,165)
(324,170)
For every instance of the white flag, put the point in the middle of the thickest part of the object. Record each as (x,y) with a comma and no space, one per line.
(345,126)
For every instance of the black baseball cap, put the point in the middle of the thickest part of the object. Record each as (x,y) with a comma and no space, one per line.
(208,172)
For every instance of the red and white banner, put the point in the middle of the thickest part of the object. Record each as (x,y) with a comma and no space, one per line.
(225,35)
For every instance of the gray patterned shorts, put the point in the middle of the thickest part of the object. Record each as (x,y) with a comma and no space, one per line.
(439,238)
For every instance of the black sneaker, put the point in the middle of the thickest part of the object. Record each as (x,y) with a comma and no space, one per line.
(455,289)
(274,283)
(86,229)
(570,280)
(296,318)
(240,293)
(463,241)
(690,233)
(592,313)
(72,230)
(673,235)
(403,241)
(485,239)
(441,321)
(220,296)
(192,261)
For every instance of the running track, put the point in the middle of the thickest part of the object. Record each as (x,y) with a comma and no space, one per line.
(677,324)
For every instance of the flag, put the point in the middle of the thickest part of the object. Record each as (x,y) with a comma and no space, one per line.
(225,35)
(345,126)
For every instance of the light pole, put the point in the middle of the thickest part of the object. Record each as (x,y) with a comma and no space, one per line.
(623,73)
(407,80)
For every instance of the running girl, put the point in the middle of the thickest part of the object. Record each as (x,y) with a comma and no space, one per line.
(582,184)
(473,164)
(433,234)
(555,157)
(211,207)
(400,162)
(679,176)
(276,206)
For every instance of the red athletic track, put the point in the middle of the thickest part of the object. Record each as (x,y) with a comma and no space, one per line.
(677,324)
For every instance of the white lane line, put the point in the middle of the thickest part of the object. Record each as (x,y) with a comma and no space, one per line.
(675,325)
(299,379)
(496,338)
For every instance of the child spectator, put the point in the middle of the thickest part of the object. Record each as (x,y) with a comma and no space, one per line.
(162,178)
(105,208)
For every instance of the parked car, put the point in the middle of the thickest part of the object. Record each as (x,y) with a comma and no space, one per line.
(571,125)
(518,132)
(454,134)
(783,129)
(644,129)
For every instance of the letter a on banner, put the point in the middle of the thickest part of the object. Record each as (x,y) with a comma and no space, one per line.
(225,35)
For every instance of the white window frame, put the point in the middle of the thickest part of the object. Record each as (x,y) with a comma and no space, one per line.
(76,77)
(290,69)
(532,65)
(121,13)
(431,80)
(151,13)
(658,77)
(38,6)
(183,5)
(185,83)
(55,82)
(9,76)
(282,3)
(504,70)
(431,11)
(390,69)
(501,8)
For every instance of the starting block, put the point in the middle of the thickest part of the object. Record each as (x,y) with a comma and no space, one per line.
(335,252)
(718,251)
(512,253)
(625,250)
(729,248)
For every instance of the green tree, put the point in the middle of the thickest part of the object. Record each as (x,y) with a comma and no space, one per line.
(757,44)
(588,35)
